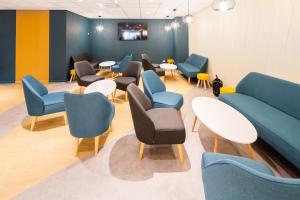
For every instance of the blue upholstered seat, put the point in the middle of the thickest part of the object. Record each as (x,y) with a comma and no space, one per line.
(121,65)
(193,65)
(89,115)
(155,89)
(38,101)
(228,177)
(272,105)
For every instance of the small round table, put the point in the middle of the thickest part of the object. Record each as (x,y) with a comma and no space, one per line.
(106,64)
(106,87)
(224,121)
(168,67)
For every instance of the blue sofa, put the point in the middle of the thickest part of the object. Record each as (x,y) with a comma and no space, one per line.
(273,106)
(193,65)
(228,177)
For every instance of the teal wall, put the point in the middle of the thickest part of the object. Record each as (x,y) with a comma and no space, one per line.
(181,42)
(7,46)
(106,46)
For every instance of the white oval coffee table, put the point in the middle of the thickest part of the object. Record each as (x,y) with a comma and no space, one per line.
(224,121)
(106,87)
(168,67)
(106,64)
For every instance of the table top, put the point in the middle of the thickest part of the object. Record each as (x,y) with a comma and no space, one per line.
(107,63)
(106,87)
(167,66)
(224,120)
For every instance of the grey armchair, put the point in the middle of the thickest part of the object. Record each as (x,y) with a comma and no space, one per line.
(147,65)
(85,74)
(155,126)
(86,57)
(131,74)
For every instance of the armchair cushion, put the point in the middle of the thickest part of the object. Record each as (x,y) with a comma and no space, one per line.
(210,158)
(167,100)
(54,102)
(123,82)
(169,127)
(88,79)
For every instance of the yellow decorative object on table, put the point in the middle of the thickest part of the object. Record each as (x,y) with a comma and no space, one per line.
(227,90)
(170,61)
(203,79)
(73,74)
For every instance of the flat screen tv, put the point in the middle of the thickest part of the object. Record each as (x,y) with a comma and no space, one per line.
(132,31)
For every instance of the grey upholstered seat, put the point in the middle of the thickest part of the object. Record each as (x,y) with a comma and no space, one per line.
(155,126)
(85,73)
(147,65)
(131,75)
(86,57)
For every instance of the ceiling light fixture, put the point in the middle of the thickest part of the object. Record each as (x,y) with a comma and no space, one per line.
(188,18)
(100,27)
(222,5)
(174,24)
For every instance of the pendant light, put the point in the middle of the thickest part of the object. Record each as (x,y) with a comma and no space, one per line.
(188,18)
(222,5)
(100,27)
(174,24)
(167,26)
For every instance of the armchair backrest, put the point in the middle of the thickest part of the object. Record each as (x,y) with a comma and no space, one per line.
(228,179)
(89,115)
(124,63)
(139,104)
(81,57)
(83,68)
(152,83)
(133,70)
(147,65)
(33,92)
(198,61)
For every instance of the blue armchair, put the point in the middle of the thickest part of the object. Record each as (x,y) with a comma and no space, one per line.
(121,66)
(39,102)
(155,89)
(233,178)
(193,65)
(89,115)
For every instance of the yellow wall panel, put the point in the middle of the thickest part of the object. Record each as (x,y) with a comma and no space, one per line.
(32,44)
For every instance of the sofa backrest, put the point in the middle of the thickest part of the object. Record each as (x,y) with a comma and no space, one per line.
(197,60)
(281,94)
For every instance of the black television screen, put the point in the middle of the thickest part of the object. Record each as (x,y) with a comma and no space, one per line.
(132,31)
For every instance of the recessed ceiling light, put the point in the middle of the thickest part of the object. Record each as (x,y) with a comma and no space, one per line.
(116,1)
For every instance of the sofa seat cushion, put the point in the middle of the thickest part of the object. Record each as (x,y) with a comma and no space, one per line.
(88,79)
(210,158)
(167,100)
(277,128)
(123,82)
(168,125)
(188,69)
(54,102)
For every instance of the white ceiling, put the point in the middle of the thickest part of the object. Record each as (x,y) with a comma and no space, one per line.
(149,9)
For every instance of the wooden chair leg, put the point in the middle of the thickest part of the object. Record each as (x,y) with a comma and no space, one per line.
(180,152)
(65,118)
(126,96)
(216,138)
(97,144)
(71,79)
(77,141)
(110,128)
(180,113)
(142,146)
(204,83)
(198,83)
(251,152)
(194,123)
(33,120)
(189,80)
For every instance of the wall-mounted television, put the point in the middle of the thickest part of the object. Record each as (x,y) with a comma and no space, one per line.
(132,31)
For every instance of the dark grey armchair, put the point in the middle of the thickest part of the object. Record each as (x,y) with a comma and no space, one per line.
(147,65)
(130,75)
(85,74)
(155,126)
(86,57)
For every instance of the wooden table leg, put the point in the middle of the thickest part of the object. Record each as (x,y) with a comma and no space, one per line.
(251,152)
(216,140)
(194,123)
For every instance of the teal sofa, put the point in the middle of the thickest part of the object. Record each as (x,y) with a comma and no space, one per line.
(273,106)
(228,177)
(193,65)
